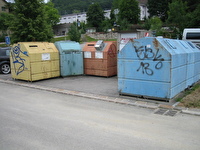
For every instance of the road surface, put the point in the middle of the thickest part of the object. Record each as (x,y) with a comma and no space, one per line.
(34,119)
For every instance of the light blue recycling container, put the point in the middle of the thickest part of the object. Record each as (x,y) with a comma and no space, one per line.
(71,58)
(157,68)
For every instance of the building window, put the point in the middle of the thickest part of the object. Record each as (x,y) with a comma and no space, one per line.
(3,8)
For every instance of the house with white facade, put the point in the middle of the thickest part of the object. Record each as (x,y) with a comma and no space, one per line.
(66,20)
(82,17)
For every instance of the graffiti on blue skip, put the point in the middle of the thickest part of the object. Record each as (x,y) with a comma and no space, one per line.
(18,61)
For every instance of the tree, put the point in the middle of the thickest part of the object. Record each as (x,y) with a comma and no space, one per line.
(129,10)
(158,8)
(177,14)
(74,33)
(95,16)
(192,4)
(156,23)
(193,13)
(30,23)
(52,14)
(113,18)
(5,19)
(194,19)
(115,4)
(68,6)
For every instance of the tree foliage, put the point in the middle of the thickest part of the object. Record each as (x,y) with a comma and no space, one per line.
(193,13)
(53,16)
(194,19)
(30,23)
(158,8)
(74,33)
(5,19)
(95,16)
(70,6)
(129,10)
(177,14)
(192,4)
(115,4)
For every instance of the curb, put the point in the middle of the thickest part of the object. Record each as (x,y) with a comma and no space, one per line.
(136,102)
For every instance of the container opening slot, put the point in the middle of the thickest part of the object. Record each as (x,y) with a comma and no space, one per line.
(191,45)
(183,43)
(33,46)
(170,44)
(90,45)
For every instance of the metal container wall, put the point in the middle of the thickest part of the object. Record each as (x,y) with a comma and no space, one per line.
(71,58)
(100,62)
(157,68)
(33,61)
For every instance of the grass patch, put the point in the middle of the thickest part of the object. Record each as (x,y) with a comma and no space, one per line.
(60,39)
(4,45)
(90,39)
(191,97)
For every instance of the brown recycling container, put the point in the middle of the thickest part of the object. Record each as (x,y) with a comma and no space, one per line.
(100,58)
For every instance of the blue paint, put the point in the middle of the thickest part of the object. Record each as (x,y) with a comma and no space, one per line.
(157,67)
(18,61)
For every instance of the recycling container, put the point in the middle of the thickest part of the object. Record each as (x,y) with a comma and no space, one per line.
(71,58)
(33,61)
(100,58)
(157,68)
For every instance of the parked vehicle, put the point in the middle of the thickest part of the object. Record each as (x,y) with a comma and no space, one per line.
(193,35)
(5,60)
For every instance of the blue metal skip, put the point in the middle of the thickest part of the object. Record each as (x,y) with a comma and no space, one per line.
(157,67)
(71,58)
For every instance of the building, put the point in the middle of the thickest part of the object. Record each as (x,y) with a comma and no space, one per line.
(70,18)
(66,20)
(143,9)
(3,6)
(82,17)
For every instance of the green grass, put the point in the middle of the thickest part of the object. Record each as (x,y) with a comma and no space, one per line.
(60,39)
(90,39)
(187,92)
(3,45)
(190,97)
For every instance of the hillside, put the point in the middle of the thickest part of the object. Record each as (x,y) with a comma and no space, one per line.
(70,6)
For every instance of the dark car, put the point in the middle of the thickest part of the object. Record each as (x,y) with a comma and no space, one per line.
(5,60)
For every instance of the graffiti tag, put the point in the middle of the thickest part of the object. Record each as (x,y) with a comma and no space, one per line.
(144,52)
(18,61)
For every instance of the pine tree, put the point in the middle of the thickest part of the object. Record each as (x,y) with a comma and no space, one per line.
(30,22)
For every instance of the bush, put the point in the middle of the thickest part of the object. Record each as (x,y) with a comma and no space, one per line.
(74,34)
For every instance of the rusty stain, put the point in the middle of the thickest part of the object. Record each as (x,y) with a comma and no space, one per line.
(156,43)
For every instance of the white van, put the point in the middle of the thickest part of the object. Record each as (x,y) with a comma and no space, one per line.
(193,35)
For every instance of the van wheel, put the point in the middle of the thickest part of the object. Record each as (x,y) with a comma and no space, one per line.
(5,68)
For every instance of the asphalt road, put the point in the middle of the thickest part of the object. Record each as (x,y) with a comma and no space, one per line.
(34,119)
(87,84)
